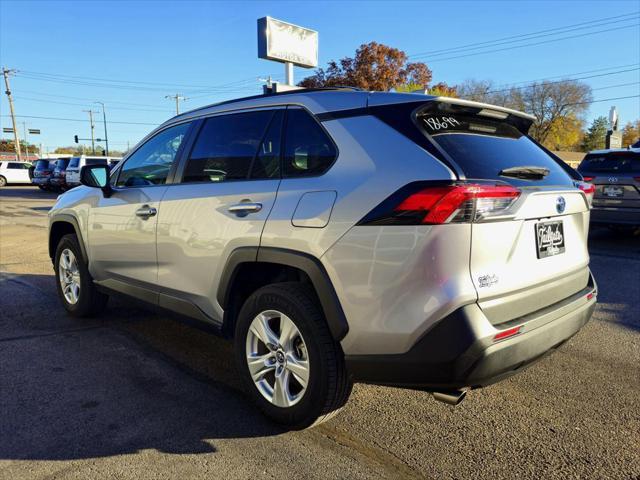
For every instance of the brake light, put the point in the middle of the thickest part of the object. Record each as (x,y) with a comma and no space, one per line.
(437,204)
(588,178)
(637,179)
(510,332)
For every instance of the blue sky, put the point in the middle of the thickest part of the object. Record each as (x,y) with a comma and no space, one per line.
(207,51)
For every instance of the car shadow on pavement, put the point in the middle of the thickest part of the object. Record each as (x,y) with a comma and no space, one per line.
(127,381)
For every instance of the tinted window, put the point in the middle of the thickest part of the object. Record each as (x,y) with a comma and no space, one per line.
(151,163)
(62,164)
(42,164)
(267,162)
(226,146)
(611,163)
(308,149)
(484,148)
(74,162)
(95,161)
(15,165)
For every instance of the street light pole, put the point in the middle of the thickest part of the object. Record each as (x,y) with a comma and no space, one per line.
(106,138)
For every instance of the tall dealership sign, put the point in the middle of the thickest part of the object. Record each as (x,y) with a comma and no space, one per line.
(287,43)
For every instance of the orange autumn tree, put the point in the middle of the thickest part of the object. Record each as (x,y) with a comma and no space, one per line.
(374,67)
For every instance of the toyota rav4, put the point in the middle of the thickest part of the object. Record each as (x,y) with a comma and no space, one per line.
(340,236)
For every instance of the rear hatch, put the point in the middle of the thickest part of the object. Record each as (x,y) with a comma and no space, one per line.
(616,176)
(529,217)
(43,168)
(73,170)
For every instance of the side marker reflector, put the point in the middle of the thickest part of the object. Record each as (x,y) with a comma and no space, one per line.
(510,332)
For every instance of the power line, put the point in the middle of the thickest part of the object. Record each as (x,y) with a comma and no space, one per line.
(563,80)
(602,100)
(577,73)
(530,44)
(531,35)
(83,104)
(616,86)
(82,120)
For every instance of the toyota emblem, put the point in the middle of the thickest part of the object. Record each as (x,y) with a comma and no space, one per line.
(561,204)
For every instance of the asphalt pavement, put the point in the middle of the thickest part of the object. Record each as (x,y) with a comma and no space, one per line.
(138,394)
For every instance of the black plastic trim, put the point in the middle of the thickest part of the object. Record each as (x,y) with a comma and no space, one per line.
(66,218)
(329,301)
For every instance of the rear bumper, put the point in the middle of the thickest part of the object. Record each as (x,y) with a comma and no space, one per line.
(58,182)
(460,351)
(616,216)
(44,181)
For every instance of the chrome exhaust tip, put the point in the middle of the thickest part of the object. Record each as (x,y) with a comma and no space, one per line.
(453,397)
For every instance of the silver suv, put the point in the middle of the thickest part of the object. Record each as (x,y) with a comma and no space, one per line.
(340,236)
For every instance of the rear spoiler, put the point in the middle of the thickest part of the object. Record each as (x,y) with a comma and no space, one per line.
(522,121)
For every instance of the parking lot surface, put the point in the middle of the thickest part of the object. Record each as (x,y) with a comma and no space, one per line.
(138,394)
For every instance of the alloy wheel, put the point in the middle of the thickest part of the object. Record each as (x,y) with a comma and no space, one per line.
(277,358)
(69,276)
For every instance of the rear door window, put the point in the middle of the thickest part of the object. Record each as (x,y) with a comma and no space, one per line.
(227,146)
(74,162)
(308,149)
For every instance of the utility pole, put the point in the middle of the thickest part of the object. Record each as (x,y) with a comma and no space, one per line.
(93,143)
(106,138)
(16,138)
(177,97)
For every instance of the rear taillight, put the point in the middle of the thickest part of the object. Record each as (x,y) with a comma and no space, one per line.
(637,179)
(587,178)
(589,190)
(437,204)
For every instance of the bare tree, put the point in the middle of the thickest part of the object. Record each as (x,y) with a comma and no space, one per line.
(552,103)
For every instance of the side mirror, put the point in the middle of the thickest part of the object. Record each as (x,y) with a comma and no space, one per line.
(96,176)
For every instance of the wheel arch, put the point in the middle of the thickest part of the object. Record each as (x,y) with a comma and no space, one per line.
(61,225)
(244,262)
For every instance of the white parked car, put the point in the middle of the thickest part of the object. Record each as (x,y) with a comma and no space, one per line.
(76,164)
(14,173)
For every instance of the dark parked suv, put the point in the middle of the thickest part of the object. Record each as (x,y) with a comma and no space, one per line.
(42,173)
(616,177)
(58,179)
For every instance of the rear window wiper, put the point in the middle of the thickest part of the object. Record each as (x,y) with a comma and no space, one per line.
(533,173)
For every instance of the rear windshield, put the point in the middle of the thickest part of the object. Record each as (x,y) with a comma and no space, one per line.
(62,164)
(74,162)
(611,163)
(487,149)
(96,161)
(42,164)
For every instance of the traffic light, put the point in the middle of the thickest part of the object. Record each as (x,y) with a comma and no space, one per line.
(75,138)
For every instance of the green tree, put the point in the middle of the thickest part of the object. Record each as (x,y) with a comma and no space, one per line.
(594,138)
(374,67)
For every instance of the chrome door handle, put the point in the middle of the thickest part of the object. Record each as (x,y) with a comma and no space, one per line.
(245,208)
(146,211)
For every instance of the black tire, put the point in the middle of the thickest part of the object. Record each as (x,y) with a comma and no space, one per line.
(329,383)
(90,301)
(3,181)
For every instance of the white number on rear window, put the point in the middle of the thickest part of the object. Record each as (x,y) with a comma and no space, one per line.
(441,123)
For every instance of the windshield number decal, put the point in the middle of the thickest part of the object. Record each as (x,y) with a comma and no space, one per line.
(441,123)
